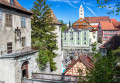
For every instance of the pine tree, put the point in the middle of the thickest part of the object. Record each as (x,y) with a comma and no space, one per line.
(43,35)
(69,24)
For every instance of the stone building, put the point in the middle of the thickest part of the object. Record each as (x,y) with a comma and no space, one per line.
(17,57)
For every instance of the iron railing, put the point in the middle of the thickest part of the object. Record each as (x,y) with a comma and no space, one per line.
(19,52)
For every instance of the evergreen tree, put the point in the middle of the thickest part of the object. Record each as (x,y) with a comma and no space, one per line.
(42,34)
(69,24)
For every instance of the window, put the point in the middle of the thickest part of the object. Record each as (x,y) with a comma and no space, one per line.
(9,47)
(84,23)
(85,38)
(78,42)
(78,33)
(23,22)
(85,43)
(105,38)
(105,31)
(64,38)
(105,35)
(85,33)
(78,38)
(0,17)
(71,33)
(93,37)
(65,33)
(77,24)
(12,2)
(8,20)
(71,38)
(23,41)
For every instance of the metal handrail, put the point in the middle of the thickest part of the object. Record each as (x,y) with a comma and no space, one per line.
(18,52)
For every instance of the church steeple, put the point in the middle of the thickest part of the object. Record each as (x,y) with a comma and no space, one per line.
(81,12)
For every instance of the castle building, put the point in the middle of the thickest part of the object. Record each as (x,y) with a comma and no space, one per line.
(17,56)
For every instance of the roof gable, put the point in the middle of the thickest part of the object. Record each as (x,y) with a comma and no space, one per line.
(107,25)
(83,59)
(73,28)
(81,23)
(16,5)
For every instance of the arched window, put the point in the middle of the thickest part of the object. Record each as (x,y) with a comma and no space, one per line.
(24,69)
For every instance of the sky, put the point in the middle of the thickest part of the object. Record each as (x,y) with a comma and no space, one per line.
(68,10)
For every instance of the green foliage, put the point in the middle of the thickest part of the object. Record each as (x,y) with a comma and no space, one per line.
(43,35)
(94,46)
(64,26)
(105,69)
(100,40)
(113,5)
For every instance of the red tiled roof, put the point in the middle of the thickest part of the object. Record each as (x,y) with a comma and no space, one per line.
(97,19)
(15,6)
(112,43)
(116,24)
(107,25)
(113,20)
(55,20)
(82,59)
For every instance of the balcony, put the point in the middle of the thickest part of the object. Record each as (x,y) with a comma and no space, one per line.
(51,78)
(18,53)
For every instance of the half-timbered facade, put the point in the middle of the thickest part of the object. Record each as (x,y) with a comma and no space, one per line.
(80,67)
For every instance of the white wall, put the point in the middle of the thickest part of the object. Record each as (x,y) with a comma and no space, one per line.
(7,34)
(7,70)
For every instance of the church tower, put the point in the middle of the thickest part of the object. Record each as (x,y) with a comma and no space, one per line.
(81,12)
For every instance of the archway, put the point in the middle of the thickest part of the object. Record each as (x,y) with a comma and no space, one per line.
(24,69)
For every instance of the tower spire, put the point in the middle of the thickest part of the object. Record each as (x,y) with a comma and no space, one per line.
(81,12)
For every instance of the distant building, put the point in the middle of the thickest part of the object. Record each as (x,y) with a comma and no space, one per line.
(106,30)
(83,64)
(91,22)
(75,41)
(113,43)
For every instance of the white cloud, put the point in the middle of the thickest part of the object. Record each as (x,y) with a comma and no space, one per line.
(91,10)
(83,2)
(75,2)
(66,1)
(58,6)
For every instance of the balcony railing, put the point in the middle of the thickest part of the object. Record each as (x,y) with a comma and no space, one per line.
(19,52)
(55,77)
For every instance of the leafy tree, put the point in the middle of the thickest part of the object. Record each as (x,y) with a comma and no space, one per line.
(43,35)
(105,69)
(94,46)
(113,5)
(69,24)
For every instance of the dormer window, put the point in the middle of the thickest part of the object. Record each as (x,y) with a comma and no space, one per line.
(12,2)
